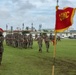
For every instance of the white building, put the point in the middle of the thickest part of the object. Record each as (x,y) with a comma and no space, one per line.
(70,32)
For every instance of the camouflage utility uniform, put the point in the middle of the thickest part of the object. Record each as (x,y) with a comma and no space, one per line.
(47,40)
(40,40)
(1,46)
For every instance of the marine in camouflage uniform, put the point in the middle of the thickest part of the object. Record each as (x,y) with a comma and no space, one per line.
(36,37)
(25,41)
(7,39)
(51,36)
(1,46)
(15,37)
(20,41)
(47,40)
(30,41)
(40,40)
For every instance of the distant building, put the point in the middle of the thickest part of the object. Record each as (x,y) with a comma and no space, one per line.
(67,33)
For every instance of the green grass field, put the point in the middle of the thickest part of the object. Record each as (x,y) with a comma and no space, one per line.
(30,62)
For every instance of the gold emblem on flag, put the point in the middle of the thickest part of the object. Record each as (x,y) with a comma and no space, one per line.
(64,15)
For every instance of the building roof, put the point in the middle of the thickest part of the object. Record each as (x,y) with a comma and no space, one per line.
(73,31)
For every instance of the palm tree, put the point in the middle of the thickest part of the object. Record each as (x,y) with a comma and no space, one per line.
(27,28)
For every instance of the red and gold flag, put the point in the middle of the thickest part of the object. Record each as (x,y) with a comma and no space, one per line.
(64,19)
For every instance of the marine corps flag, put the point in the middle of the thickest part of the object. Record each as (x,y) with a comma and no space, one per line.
(64,18)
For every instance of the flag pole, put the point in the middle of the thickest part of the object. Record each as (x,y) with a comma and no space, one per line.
(54,52)
(57,2)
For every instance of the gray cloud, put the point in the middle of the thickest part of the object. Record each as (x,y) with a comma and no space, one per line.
(23,4)
(14,1)
(64,3)
(43,1)
(26,6)
(4,13)
(22,7)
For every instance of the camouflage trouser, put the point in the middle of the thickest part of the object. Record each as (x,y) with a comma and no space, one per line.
(1,56)
(20,44)
(30,44)
(25,44)
(47,46)
(16,44)
(40,47)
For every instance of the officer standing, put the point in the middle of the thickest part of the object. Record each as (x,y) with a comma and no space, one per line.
(1,44)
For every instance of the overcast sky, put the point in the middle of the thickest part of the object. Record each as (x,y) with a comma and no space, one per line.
(16,12)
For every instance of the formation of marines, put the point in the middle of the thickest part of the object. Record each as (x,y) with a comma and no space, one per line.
(26,41)
(19,40)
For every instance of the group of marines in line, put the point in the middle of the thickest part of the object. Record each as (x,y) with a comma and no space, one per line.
(26,41)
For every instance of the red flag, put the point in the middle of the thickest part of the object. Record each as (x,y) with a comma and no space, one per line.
(64,18)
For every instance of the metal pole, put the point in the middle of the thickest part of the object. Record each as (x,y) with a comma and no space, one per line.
(57,2)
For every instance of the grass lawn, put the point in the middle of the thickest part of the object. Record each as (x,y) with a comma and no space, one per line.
(30,62)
